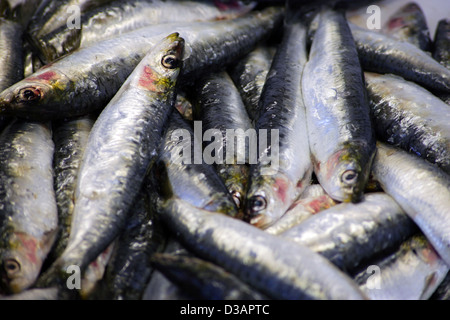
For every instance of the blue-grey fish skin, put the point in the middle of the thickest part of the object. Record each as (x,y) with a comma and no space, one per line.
(130,268)
(203,279)
(11,58)
(441,50)
(349,234)
(28,213)
(161,288)
(70,138)
(274,186)
(195,182)
(88,78)
(382,54)
(337,108)
(409,24)
(118,17)
(441,44)
(421,189)
(276,267)
(219,107)
(121,148)
(413,272)
(249,75)
(410,117)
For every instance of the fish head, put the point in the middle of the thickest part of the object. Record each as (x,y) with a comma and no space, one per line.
(345,174)
(236,181)
(268,198)
(29,95)
(20,263)
(162,65)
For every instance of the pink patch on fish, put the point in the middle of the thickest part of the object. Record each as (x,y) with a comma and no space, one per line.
(430,255)
(147,79)
(281,187)
(46,76)
(30,246)
(396,23)
(319,204)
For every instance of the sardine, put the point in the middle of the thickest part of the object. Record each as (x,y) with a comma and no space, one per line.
(409,24)
(441,44)
(161,288)
(28,213)
(337,108)
(70,138)
(278,268)
(177,171)
(219,107)
(51,15)
(421,189)
(413,272)
(441,50)
(119,17)
(203,279)
(284,167)
(83,82)
(130,268)
(383,54)
(410,117)
(11,58)
(121,148)
(348,234)
(249,76)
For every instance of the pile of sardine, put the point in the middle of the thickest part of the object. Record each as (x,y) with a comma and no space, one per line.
(224,150)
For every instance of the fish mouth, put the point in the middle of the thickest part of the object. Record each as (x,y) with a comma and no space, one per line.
(260,221)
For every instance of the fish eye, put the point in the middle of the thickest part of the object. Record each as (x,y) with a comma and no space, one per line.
(257,204)
(29,94)
(349,177)
(170,61)
(11,267)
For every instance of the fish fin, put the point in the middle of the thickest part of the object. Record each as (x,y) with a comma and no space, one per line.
(429,287)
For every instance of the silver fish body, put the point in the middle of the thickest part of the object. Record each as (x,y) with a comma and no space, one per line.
(203,279)
(337,109)
(421,189)
(410,117)
(177,171)
(219,107)
(84,82)
(277,268)
(70,138)
(441,45)
(249,75)
(412,272)
(348,234)
(383,54)
(120,150)
(284,167)
(28,213)
(119,17)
